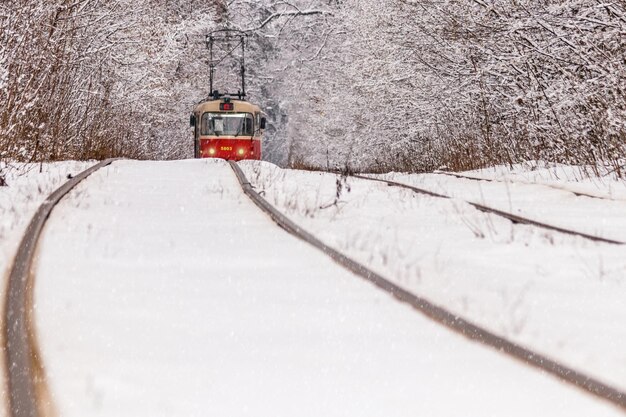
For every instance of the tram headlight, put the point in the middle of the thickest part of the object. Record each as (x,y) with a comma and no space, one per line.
(241,151)
(211,151)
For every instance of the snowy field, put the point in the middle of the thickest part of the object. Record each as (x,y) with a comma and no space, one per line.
(561,295)
(28,186)
(601,182)
(541,194)
(161,290)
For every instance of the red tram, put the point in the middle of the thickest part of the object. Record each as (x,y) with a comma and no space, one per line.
(226,125)
(227,128)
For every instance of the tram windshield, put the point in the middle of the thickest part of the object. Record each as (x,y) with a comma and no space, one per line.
(227,124)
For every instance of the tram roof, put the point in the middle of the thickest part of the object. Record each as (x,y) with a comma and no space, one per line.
(240,106)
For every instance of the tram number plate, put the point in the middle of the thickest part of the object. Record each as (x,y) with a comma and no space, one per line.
(226,148)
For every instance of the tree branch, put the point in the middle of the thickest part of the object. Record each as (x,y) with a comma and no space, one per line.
(294,13)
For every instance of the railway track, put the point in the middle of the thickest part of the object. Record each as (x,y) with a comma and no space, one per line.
(576,193)
(25,379)
(486,209)
(438,314)
(23,364)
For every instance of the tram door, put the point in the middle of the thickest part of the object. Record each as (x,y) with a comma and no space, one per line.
(196,137)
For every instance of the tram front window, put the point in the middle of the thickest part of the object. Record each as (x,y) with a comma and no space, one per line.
(227,124)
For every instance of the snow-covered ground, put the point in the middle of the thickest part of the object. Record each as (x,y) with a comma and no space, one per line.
(163,291)
(555,204)
(602,182)
(28,186)
(561,295)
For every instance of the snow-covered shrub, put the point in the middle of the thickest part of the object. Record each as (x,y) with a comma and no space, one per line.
(463,84)
(358,84)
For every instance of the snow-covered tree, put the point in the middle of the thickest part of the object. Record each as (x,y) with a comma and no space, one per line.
(363,84)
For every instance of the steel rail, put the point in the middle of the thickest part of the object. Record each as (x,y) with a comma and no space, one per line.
(510,216)
(21,353)
(472,178)
(439,314)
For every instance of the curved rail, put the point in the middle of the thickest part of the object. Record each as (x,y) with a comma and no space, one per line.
(22,360)
(472,178)
(437,313)
(510,216)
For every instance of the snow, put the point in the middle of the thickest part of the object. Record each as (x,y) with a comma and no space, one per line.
(163,291)
(28,186)
(558,207)
(575,179)
(4,74)
(561,295)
